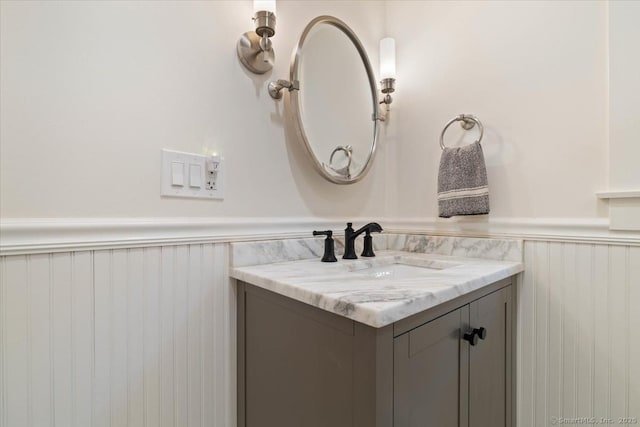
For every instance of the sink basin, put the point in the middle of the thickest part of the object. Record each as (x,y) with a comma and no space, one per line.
(401,268)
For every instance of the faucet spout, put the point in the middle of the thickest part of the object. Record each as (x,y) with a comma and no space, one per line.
(350,238)
(372,227)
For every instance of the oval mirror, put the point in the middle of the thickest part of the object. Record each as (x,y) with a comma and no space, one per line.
(335,106)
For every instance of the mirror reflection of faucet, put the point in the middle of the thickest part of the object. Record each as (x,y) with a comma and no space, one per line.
(345,170)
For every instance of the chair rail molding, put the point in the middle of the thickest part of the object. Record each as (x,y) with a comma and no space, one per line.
(43,235)
(23,236)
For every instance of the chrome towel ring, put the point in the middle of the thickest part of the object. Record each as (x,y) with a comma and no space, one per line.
(348,151)
(468,122)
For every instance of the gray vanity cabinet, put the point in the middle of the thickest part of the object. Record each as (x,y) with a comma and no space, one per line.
(442,380)
(300,366)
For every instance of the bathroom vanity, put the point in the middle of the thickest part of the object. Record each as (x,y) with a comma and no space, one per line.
(411,337)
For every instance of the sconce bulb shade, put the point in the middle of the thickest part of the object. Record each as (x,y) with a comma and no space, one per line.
(387,58)
(264,5)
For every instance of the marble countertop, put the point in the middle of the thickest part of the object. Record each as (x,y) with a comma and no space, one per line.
(353,289)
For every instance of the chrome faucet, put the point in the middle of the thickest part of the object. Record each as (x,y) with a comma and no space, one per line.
(350,238)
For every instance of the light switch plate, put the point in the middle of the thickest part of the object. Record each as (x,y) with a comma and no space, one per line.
(195,179)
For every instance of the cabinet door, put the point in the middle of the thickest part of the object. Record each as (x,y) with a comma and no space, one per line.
(430,374)
(490,361)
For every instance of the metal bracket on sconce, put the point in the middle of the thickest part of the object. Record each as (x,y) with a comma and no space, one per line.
(255,49)
(275,88)
(387,86)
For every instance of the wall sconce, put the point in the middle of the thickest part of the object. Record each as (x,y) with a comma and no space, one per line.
(255,49)
(387,69)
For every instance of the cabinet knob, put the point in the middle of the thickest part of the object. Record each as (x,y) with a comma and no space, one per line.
(472,337)
(480,332)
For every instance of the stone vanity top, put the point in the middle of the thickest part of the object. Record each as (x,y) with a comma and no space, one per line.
(408,275)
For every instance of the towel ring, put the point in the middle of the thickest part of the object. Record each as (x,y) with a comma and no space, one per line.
(468,122)
(348,151)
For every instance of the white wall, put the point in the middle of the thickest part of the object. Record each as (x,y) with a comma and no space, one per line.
(535,74)
(624,86)
(624,44)
(91,91)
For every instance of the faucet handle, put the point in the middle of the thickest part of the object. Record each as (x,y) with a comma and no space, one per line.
(329,247)
(368,245)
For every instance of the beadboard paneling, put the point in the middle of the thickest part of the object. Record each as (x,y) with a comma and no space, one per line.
(577,337)
(145,336)
(126,337)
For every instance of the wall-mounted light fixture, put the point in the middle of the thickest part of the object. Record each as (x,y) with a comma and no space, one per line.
(387,68)
(255,49)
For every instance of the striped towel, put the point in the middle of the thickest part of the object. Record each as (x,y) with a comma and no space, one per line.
(463,188)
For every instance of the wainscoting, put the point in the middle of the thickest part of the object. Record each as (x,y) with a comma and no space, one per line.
(578,336)
(144,336)
(126,337)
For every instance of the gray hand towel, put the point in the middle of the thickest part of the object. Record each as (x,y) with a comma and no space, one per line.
(463,188)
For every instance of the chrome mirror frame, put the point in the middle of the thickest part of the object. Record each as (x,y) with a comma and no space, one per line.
(293,86)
